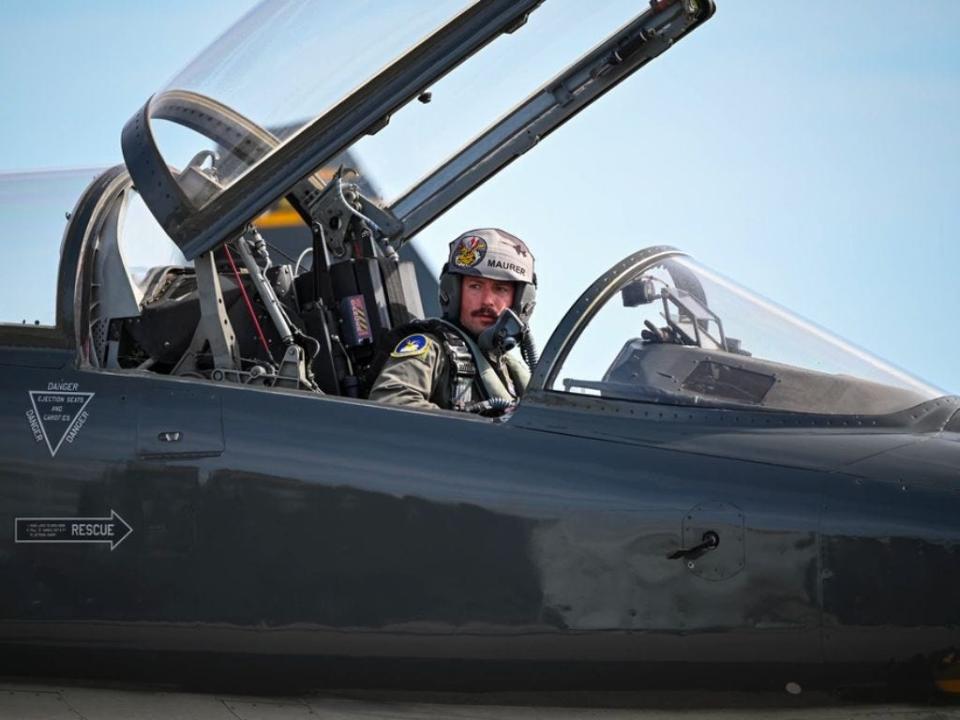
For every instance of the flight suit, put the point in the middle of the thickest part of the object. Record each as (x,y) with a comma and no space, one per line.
(418,374)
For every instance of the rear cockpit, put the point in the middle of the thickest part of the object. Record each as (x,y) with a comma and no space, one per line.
(250,312)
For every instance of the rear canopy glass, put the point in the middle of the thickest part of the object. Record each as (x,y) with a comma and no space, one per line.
(34,208)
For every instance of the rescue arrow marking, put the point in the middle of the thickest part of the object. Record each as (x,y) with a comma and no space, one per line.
(57,415)
(112,530)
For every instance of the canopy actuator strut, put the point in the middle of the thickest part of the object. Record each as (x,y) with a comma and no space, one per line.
(293,365)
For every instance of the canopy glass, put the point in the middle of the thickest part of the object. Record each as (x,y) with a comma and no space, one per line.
(286,64)
(678,333)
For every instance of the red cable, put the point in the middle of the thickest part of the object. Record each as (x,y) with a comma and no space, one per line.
(246,299)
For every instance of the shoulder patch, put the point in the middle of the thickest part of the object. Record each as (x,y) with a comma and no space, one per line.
(411,346)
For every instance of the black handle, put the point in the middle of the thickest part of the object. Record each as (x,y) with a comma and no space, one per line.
(710,541)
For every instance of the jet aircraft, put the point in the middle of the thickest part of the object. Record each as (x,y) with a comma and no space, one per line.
(698,488)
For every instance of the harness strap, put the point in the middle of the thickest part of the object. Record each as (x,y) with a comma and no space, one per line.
(489,381)
(463,369)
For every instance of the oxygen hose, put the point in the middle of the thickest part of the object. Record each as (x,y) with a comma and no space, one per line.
(528,350)
(494,407)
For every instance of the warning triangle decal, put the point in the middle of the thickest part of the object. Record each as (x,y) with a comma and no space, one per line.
(58,413)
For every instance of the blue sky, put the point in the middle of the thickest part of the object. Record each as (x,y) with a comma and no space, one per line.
(808,150)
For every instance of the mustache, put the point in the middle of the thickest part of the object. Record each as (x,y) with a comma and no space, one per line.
(484,312)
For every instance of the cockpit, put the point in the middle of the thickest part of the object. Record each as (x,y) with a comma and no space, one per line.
(264,120)
(177,268)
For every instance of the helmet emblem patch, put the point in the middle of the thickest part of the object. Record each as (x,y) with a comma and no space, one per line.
(469,251)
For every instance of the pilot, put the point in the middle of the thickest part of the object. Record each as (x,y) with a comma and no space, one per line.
(461,362)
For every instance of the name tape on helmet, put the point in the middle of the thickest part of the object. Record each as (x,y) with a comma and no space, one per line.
(493,263)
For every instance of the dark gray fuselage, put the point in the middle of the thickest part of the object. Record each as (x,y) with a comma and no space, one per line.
(288,525)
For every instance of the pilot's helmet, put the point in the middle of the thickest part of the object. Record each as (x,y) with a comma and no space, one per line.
(494,254)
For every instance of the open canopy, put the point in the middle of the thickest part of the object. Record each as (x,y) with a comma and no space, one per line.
(295,83)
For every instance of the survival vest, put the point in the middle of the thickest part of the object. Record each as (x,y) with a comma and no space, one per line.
(468,364)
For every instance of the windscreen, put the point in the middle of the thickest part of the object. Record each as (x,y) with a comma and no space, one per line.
(678,333)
